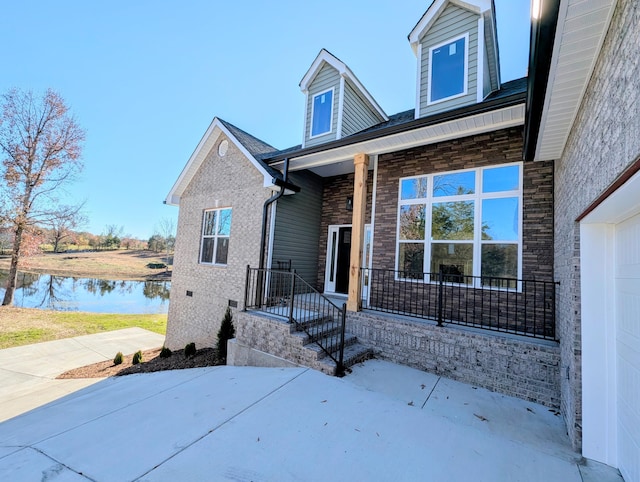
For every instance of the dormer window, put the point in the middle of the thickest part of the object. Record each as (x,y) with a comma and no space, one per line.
(448,69)
(322,113)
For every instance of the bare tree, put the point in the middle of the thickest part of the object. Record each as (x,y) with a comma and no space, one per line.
(167,228)
(41,147)
(64,221)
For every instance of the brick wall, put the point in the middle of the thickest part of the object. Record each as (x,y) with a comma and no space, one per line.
(482,150)
(507,364)
(230,181)
(604,141)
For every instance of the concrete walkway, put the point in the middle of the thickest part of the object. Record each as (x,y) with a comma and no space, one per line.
(27,373)
(382,422)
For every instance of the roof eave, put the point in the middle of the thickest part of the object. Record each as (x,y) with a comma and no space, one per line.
(514,99)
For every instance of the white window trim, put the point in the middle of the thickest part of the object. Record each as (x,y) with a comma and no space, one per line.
(214,236)
(477,240)
(465,74)
(313,97)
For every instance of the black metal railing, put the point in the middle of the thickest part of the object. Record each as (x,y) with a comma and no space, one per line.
(286,294)
(523,307)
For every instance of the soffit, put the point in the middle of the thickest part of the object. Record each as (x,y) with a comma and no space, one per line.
(581,29)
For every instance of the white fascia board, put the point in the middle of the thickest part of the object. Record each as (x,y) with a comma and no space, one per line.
(323,56)
(434,11)
(553,96)
(211,136)
(454,129)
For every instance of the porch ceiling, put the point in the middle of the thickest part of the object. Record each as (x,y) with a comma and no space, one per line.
(580,32)
(340,159)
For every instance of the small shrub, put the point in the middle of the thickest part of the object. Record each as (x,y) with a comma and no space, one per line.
(118,358)
(190,349)
(165,352)
(137,358)
(226,333)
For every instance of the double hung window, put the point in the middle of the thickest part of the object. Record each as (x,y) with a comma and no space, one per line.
(216,229)
(463,223)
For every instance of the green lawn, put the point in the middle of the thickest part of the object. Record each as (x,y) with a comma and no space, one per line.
(23,326)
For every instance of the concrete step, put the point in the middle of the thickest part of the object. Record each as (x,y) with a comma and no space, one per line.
(354,353)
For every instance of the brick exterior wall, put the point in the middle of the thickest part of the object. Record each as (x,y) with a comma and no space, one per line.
(603,142)
(277,337)
(502,363)
(230,181)
(482,150)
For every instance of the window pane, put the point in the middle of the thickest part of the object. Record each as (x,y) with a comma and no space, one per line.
(222,250)
(209,222)
(414,188)
(454,260)
(452,220)
(500,260)
(500,219)
(454,184)
(412,220)
(224,226)
(411,260)
(447,70)
(321,122)
(207,250)
(501,179)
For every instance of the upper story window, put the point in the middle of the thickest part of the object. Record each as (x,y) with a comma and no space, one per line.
(322,113)
(464,223)
(216,229)
(448,69)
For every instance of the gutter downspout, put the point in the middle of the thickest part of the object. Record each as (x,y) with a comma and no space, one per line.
(265,213)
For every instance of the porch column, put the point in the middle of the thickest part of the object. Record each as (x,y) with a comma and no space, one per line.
(361,164)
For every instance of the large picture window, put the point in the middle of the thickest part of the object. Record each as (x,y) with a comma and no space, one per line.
(322,113)
(463,223)
(216,229)
(448,69)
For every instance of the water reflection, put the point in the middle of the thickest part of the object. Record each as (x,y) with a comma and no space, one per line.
(64,293)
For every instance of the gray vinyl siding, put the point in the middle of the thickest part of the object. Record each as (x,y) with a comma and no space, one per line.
(453,22)
(357,113)
(327,78)
(486,86)
(297,229)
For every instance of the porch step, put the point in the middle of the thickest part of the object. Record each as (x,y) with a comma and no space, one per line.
(354,353)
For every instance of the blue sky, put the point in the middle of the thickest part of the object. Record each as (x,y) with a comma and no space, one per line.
(145,78)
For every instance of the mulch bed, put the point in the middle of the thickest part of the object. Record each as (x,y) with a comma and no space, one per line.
(151,362)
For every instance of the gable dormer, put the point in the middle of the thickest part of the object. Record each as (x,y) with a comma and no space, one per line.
(456,45)
(336,103)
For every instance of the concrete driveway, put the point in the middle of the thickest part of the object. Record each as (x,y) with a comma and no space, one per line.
(382,422)
(27,373)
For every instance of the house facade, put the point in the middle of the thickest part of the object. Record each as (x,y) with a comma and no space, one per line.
(443,230)
(588,122)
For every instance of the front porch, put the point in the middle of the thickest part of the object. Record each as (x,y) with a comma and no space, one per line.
(285,318)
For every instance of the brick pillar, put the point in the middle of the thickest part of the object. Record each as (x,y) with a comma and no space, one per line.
(361,164)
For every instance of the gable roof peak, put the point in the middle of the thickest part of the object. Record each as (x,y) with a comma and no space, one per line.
(434,11)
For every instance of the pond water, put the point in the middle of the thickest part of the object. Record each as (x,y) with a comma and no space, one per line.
(64,293)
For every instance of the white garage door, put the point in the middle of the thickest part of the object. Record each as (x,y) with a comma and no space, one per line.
(627,289)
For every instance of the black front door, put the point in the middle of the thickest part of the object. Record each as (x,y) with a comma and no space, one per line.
(343,261)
